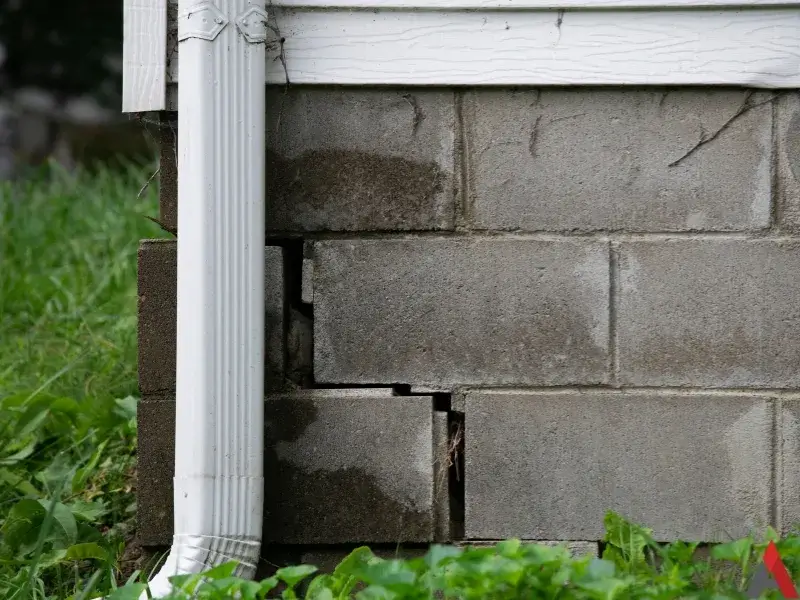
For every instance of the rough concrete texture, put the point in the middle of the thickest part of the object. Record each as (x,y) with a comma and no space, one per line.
(168,172)
(788,160)
(353,159)
(601,159)
(443,456)
(713,312)
(307,281)
(548,465)
(300,349)
(349,468)
(275,318)
(577,549)
(155,469)
(157,283)
(158,261)
(485,311)
(788,475)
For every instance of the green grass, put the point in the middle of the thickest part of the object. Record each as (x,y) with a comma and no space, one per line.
(68,380)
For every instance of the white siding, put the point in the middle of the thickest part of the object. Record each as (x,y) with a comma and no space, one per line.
(144,55)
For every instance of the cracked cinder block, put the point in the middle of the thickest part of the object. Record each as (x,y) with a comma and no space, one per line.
(548,465)
(556,160)
(349,467)
(577,549)
(788,160)
(157,289)
(438,311)
(359,160)
(712,312)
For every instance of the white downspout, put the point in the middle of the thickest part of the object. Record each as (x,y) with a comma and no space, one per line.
(219,442)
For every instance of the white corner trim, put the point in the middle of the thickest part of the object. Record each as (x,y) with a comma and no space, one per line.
(144,55)
(755,47)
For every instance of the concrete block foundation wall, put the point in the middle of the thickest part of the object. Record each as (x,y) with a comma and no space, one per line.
(498,313)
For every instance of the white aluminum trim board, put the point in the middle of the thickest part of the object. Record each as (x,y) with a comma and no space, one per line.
(753,47)
(144,55)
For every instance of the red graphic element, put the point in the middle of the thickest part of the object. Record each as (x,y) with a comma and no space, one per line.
(776,568)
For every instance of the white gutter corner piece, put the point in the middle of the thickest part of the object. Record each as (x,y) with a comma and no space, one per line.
(219,442)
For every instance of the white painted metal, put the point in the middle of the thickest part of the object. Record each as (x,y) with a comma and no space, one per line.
(749,47)
(220,361)
(523,4)
(144,55)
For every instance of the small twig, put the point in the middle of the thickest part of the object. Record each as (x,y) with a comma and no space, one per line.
(744,108)
(147,183)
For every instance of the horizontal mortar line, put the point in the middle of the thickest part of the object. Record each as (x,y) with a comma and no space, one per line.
(539,236)
(649,390)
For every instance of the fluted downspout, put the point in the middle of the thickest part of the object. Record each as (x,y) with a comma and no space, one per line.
(220,326)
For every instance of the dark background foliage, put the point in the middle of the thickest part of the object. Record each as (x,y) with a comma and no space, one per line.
(66,47)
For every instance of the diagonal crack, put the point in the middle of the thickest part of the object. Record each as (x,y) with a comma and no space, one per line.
(743,109)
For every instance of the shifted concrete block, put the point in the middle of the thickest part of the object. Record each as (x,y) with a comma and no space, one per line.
(577,549)
(349,467)
(713,312)
(158,277)
(787,160)
(548,465)
(483,310)
(155,470)
(359,160)
(605,160)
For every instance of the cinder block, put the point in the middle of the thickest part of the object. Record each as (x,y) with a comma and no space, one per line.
(158,275)
(548,465)
(358,160)
(155,470)
(158,280)
(788,160)
(484,311)
(605,160)
(168,171)
(349,468)
(344,466)
(577,549)
(713,313)
(788,475)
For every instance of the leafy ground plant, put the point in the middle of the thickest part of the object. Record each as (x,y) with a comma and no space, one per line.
(633,566)
(68,246)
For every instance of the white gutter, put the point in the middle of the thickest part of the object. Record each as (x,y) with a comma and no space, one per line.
(219,443)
